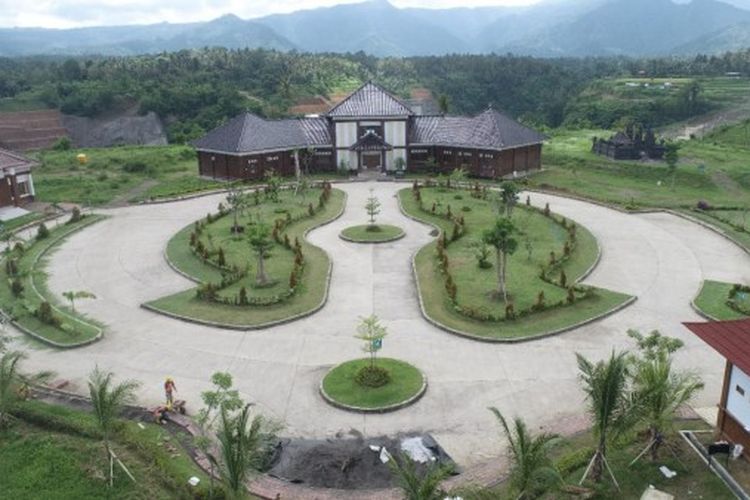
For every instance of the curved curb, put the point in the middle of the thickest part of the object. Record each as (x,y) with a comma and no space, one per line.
(39,337)
(517,340)
(268,324)
(383,409)
(700,312)
(372,242)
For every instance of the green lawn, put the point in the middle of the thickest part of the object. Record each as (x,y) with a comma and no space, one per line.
(118,174)
(476,286)
(712,301)
(372,233)
(340,385)
(742,237)
(74,328)
(13,224)
(312,287)
(54,452)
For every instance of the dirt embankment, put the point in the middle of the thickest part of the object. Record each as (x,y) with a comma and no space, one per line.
(147,130)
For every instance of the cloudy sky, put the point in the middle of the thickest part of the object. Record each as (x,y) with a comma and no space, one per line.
(74,13)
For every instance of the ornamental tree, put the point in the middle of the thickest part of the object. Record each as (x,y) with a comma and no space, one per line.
(372,207)
(509,196)
(500,237)
(371,332)
(259,239)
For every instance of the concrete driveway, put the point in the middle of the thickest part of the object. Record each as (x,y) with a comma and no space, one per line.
(660,258)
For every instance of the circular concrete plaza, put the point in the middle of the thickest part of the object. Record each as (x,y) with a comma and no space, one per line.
(658,257)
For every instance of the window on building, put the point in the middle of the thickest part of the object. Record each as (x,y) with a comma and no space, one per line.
(363,129)
(740,390)
(23,188)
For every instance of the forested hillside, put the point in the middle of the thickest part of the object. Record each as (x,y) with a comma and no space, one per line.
(193,91)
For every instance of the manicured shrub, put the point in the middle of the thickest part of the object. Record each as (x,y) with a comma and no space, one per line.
(563,279)
(552,258)
(528,201)
(703,205)
(287,243)
(45,314)
(546,210)
(243,296)
(193,239)
(75,216)
(456,232)
(571,298)
(566,248)
(11,267)
(221,258)
(42,232)
(310,210)
(434,207)
(510,311)
(540,302)
(16,287)
(372,376)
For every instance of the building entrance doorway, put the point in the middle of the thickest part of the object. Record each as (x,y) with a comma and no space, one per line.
(372,160)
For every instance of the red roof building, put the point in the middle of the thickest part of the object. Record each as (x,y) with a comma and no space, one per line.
(731,339)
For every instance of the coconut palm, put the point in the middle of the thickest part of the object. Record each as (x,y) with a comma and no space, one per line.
(416,485)
(609,404)
(242,443)
(500,237)
(660,392)
(14,385)
(107,400)
(531,471)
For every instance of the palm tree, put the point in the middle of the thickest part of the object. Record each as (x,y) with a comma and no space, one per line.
(532,471)
(240,447)
(500,237)
(660,392)
(416,485)
(107,400)
(610,406)
(14,385)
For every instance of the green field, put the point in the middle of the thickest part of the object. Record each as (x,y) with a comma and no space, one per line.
(118,174)
(312,285)
(54,452)
(475,286)
(340,384)
(74,328)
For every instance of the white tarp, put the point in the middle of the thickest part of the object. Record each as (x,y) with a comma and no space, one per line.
(416,450)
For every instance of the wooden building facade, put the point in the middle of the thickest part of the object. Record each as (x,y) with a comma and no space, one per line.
(731,339)
(16,183)
(370,130)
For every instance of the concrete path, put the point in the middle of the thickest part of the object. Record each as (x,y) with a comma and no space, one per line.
(660,258)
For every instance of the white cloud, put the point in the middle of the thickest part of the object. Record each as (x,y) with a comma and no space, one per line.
(74,13)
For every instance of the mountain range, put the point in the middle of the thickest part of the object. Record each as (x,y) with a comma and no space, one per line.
(551,28)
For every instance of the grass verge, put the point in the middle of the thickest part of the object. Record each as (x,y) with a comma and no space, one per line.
(378,233)
(313,284)
(341,386)
(73,329)
(712,301)
(475,285)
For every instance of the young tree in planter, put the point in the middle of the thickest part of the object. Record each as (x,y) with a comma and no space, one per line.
(532,471)
(372,333)
(458,177)
(259,238)
(610,406)
(672,156)
(73,296)
(500,237)
(237,201)
(273,186)
(107,400)
(482,253)
(373,208)
(509,196)
(659,390)
(14,385)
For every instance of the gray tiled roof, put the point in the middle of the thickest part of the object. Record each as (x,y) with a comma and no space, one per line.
(488,130)
(370,100)
(248,133)
(11,159)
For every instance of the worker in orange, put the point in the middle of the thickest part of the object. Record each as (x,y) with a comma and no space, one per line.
(169,389)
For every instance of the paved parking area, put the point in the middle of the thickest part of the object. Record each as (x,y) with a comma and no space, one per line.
(658,257)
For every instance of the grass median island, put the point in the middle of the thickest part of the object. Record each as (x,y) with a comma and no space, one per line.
(372,233)
(226,265)
(54,452)
(464,298)
(713,297)
(340,384)
(24,295)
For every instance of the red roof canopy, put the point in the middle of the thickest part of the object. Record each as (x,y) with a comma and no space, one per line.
(730,338)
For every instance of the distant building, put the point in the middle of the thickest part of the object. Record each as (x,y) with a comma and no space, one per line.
(731,339)
(632,144)
(16,184)
(370,130)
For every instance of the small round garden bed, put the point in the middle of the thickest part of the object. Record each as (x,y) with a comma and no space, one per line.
(372,233)
(405,385)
